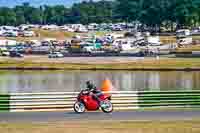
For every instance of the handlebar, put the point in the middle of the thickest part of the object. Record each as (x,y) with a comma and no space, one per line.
(86,90)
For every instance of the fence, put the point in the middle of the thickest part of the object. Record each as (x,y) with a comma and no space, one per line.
(129,100)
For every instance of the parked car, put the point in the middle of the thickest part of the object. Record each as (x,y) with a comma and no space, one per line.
(117,28)
(15,54)
(56,55)
(4,51)
(28,33)
(10,34)
(1,32)
(17,48)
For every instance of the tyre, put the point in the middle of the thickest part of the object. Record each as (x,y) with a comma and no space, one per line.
(79,107)
(107,106)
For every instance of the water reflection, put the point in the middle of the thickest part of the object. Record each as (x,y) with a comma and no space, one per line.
(50,81)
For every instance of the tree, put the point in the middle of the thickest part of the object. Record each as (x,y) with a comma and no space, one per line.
(8,16)
(35,16)
(153,13)
(19,15)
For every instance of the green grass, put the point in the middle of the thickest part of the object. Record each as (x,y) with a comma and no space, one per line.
(172,39)
(146,64)
(104,127)
(54,34)
(60,35)
(196,37)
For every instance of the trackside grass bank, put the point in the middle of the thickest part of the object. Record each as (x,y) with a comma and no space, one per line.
(104,127)
(96,64)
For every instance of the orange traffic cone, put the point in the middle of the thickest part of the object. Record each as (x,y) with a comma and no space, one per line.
(107,86)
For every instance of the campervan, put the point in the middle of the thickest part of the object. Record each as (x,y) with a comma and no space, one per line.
(196,31)
(182,33)
(155,41)
(50,27)
(28,33)
(125,44)
(185,41)
(93,26)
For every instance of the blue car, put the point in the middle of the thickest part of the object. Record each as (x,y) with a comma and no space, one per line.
(15,54)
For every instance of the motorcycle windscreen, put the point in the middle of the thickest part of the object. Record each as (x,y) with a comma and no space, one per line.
(104,96)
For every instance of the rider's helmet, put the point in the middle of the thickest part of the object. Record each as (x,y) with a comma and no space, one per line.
(90,85)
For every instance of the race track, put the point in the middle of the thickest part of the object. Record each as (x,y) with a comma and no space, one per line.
(93,116)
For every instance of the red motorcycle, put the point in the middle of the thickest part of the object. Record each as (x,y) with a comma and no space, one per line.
(87,101)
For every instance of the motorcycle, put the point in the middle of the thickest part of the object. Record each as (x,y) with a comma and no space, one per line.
(87,101)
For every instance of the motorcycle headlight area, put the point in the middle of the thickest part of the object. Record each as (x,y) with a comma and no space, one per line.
(85,92)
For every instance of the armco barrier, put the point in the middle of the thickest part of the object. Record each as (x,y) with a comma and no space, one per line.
(4,102)
(188,54)
(169,99)
(63,101)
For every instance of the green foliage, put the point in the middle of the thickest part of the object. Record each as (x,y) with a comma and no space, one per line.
(154,12)
(150,12)
(85,12)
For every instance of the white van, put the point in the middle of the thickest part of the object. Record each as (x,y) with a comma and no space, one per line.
(29,33)
(183,33)
(185,41)
(125,44)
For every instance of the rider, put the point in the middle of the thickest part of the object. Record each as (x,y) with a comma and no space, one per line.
(96,92)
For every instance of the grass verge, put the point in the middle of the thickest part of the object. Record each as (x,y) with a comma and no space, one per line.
(105,127)
(142,64)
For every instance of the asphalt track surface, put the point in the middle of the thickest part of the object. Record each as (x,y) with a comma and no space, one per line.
(94,116)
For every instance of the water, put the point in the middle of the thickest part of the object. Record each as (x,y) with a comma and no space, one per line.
(61,81)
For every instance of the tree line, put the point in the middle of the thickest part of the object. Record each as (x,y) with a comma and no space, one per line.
(149,12)
(161,12)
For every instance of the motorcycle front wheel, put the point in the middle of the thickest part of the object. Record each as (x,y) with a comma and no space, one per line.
(107,106)
(79,107)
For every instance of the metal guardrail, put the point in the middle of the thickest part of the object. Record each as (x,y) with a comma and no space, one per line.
(188,54)
(63,101)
